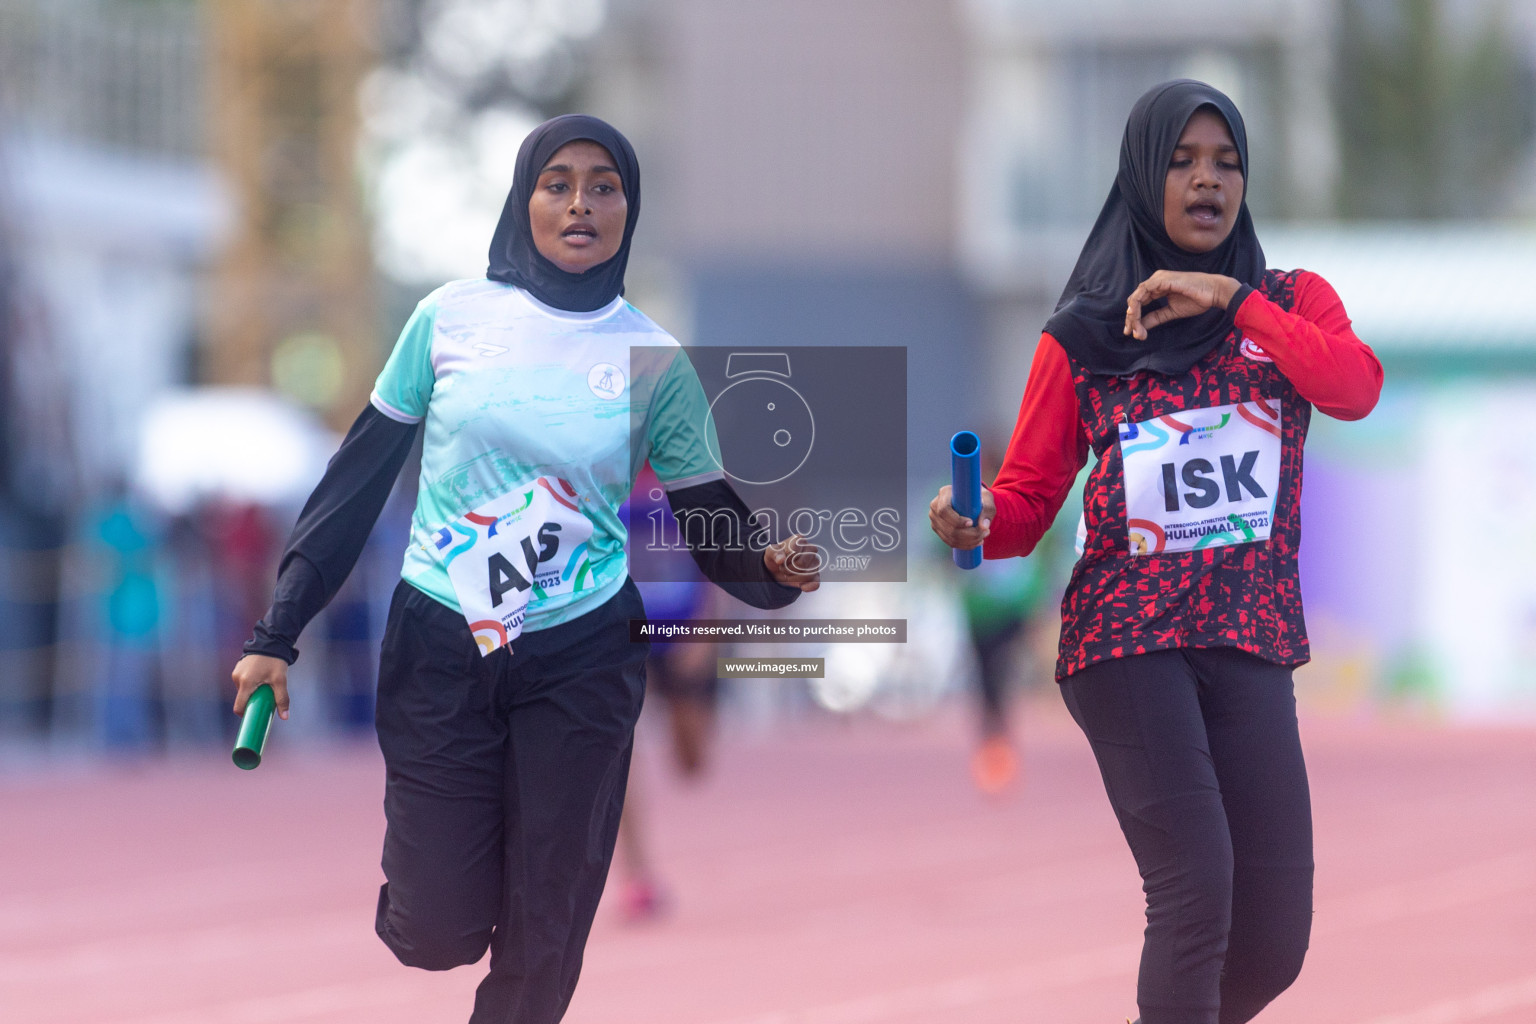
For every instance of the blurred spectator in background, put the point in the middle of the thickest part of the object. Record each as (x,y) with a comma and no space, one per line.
(195,705)
(125,695)
(244,548)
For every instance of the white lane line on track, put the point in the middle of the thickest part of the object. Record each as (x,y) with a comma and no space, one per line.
(958,993)
(145,955)
(1449,890)
(1516,995)
(203,889)
(1459,887)
(311,1004)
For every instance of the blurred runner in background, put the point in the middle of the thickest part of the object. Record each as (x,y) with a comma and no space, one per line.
(680,677)
(1003,599)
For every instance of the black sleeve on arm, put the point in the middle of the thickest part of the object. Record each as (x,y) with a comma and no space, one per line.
(332,529)
(716,524)
(1238,298)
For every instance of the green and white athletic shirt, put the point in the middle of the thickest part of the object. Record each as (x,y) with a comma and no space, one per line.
(523,401)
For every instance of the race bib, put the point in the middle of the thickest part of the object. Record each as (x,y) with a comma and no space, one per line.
(518,549)
(1202,477)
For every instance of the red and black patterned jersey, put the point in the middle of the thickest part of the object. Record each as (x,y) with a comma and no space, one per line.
(1131,592)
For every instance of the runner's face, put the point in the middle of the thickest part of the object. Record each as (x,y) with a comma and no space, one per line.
(1204,187)
(577,210)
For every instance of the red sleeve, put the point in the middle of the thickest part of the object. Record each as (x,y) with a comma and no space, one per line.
(1046,451)
(1316,348)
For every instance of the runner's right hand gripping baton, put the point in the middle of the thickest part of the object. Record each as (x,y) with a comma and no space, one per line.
(965,488)
(254,728)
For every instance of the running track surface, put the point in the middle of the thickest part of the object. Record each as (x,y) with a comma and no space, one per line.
(832,872)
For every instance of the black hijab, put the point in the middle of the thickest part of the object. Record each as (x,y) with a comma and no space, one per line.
(1128,243)
(515,260)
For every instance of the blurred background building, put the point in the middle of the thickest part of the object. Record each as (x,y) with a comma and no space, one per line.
(215,215)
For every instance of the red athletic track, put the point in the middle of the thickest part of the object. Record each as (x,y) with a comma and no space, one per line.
(830,873)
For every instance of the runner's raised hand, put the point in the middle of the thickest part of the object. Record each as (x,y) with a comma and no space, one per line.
(1188,293)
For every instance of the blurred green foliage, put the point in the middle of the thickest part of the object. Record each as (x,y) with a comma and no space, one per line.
(1434,113)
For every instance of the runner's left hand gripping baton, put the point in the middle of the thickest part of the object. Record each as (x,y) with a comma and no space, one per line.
(965,488)
(254,728)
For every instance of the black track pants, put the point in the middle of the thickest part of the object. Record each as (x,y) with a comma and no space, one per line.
(1202,762)
(505,779)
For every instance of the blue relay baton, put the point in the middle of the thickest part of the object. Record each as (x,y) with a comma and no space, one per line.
(965,488)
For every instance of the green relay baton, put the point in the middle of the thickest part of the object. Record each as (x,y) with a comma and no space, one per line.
(254,727)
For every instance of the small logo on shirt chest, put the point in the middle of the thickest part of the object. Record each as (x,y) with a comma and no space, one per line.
(486,349)
(606,381)
(1254,352)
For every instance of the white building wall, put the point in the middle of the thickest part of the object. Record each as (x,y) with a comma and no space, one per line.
(110,246)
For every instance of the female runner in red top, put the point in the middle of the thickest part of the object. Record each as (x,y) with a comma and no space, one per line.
(1191,372)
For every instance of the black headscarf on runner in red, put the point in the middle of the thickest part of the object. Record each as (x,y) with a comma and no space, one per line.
(1128,243)
(514,257)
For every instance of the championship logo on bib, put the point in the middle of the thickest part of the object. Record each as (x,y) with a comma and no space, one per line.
(1201,477)
(525,546)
